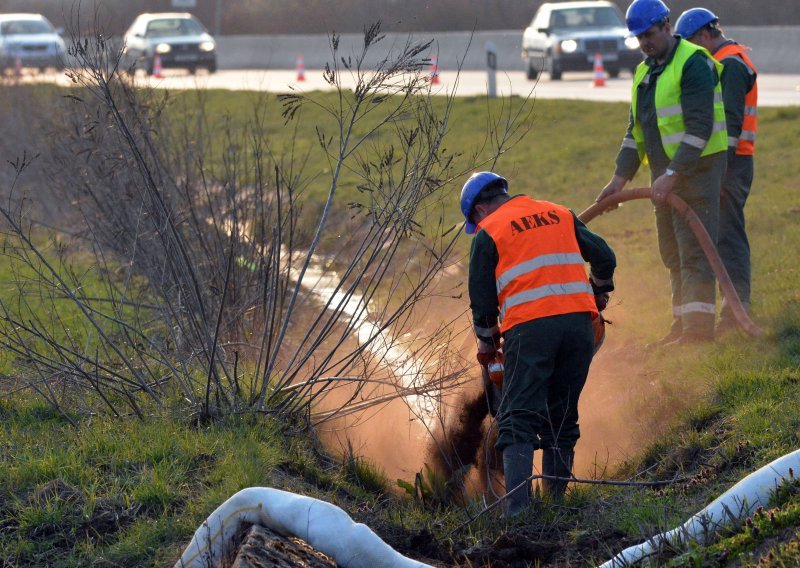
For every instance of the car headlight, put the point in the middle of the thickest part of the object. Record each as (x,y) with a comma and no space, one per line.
(207,46)
(163,48)
(631,42)
(569,46)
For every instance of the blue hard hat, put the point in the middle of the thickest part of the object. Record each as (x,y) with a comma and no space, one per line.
(476,183)
(692,20)
(644,14)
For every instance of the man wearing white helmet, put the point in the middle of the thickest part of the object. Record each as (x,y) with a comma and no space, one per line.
(528,286)
(740,94)
(677,127)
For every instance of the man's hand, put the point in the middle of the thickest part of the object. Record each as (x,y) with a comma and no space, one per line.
(486,353)
(601,300)
(614,186)
(662,187)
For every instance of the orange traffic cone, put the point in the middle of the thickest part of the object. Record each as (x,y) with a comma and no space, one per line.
(301,68)
(17,66)
(599,72)
(158,70)
(434,71)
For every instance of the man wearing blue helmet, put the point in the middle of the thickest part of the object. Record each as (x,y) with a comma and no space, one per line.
(528,285)
(740,94)
(677,126)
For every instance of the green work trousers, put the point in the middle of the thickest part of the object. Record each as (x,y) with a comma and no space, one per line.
(691,276)
(546,364)
(734,248)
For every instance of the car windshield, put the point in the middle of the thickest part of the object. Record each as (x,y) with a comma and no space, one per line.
(173,27)
(600,17)
(19,27)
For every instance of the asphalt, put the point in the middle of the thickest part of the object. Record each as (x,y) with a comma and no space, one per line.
(773,90)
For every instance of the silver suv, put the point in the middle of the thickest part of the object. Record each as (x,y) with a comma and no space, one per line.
(565,36)
(178,38)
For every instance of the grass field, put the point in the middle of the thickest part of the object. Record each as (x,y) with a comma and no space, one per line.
(126,492)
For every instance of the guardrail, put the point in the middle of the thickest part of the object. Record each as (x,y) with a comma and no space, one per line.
(775,49)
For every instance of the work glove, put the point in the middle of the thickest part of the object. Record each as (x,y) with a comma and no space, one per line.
(487,352)
(601,300)
(486,357)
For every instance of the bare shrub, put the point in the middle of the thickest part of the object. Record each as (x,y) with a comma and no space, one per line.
(221,286)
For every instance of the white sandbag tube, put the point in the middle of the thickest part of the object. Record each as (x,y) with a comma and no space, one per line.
(323,525)
(737,502)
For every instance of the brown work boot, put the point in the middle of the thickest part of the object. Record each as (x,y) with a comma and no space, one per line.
(673,335)
(690,339)
(726,327)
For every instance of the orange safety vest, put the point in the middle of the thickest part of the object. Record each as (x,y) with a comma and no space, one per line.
(540,271)
(745,145)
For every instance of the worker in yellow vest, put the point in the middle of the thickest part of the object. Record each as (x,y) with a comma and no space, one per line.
(528,286)
(740,94)
(677,127)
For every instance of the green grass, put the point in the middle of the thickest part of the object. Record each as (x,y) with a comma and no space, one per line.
(131,492)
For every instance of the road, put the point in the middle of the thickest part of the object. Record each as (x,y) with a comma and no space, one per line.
(773,90)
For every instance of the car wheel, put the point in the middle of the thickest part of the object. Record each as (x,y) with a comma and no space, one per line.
(192,70)
(613,72)
(553,69)
(212,68)
(149,69)
(532,72)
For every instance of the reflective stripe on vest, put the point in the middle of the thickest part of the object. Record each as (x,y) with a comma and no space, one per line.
(668,106)
(745,144)
(540,271)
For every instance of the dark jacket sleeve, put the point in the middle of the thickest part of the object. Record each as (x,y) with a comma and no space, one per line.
(599,255)
(483,259)
(628,156)
(697,101)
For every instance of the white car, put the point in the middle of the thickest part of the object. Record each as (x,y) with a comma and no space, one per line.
(177,38)
(30,40)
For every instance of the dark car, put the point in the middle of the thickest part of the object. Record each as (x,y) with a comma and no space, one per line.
(177,38)
(565,36)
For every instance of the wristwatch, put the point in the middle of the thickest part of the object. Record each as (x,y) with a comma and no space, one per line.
(670,172)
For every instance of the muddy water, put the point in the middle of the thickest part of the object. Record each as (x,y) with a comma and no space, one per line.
(394,434)
(381,344)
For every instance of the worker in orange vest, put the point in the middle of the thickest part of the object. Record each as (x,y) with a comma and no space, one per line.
(740,95)
(529,294)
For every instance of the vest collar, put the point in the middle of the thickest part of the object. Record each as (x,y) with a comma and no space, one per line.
(723,44)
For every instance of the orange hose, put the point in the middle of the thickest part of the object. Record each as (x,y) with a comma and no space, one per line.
(708,246)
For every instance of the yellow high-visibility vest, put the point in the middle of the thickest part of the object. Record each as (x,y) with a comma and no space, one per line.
(669,111)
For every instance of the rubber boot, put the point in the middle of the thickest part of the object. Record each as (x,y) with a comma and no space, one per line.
(558,463)
(518,464)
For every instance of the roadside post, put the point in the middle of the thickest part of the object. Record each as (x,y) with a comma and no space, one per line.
(491,69)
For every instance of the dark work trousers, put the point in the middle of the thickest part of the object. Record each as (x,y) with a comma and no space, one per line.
(691,276)
(546,364)
(734,248)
